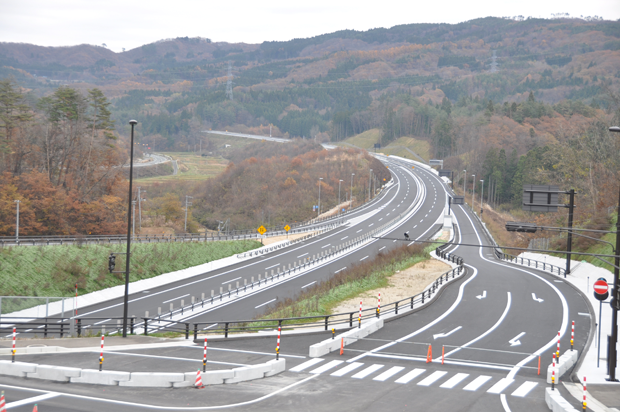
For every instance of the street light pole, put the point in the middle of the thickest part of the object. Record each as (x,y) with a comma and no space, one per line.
(319,211)
(187,204)
(351,194)
(339,182)
(613,355)
(473,193)
(482,196)
(133,217)
(17,223)
(464,180)
(128,256)
(369,180)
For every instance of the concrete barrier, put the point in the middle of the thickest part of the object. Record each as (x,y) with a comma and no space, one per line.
(567,361)
(19,369)
(556,402)
(101,377)
(350,336)
(55,373)
(33,349)
(153,379)
(249,373)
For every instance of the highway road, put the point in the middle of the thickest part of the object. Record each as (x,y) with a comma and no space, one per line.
(493,325)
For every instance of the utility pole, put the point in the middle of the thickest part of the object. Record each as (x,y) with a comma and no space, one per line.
(339,182)
(473,193)
(133,217)
(613,355)
(229,89)
(140,207)
(482,197)
(569,246)
(351,194)
(17,223)
(369,182)
(464,180)
(127,260)
(318,212)
(187,204)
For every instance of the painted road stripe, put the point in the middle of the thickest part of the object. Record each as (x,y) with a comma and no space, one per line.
(382,248)
(477,383)
(172,299)
(344,238)
(103,321)
(323,247)
(363,258)
(410,376)
(524,389)
(359,230)
(501,385)
(327,366)
(388,373)
(428,381)
(455,380)
(340,270)
(263,304)
(231,280)
(583,314)
(367,371)
(305,365)
(34,399)
(277,264)
(350,367)
(301,255)
(311,283)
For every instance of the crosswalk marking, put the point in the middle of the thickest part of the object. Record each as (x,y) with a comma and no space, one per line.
(455,380)
(428,381)
(388,373)
(367,371)
(406,378)
(501,385)
(350,367)
(476,383)
(327,366)
(306,364)
(524,389)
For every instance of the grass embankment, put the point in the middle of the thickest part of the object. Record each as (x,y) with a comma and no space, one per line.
(398,147)
(192,167)
(323,297)
(601,248)
(54,270)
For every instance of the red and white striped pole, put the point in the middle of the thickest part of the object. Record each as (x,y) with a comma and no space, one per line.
(204,358)
(557,353)
(553,374)
(572,336)
(278,345)
(101,355)
(359,319)
(379,305)
(584,393)
(13,352)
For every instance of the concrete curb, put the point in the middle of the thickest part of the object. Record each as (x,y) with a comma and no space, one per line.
(350,336)
(556,402)
(140,379)
(566,362)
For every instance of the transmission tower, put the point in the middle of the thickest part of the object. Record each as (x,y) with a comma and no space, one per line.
(229,82)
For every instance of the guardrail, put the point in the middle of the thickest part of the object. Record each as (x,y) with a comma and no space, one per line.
(531,263)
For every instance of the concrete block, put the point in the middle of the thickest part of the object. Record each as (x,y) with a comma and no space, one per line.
(216,377)
(352,335)
(275,367)
(567,361)
(55,373)
(556,402)
(248,373)
(153,379)
(19,369)
(101,378)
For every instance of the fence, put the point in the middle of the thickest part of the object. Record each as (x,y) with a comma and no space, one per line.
(9,304)
(531,263)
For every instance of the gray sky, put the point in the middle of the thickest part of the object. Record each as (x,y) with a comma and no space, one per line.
(130,24)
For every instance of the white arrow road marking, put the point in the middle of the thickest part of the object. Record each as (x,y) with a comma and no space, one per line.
(443,335)
(515,341)
(484,295)
(537,299)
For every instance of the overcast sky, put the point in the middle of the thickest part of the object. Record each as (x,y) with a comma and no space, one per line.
(129,24)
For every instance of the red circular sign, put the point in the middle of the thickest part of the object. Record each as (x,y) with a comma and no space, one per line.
(601,287)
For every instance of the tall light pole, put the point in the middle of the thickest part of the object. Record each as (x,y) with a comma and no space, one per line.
(187,205)
(319,211)
(140,206)
(128,257)
(613,355)
(339,182)
(17,223)
(473,193)
(133,217)
(369,180)
(464,180)
(351,194)
(481,197)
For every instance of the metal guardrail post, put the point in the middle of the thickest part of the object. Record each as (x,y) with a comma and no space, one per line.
(226,330)
(131,325)
(326,322)
(187,331)
(146,327)
(79,327)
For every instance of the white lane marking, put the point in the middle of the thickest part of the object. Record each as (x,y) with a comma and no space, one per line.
(34,399)
(583,314)
(306,364)
(476,383)
(524,389)
(539,300)
(504,402)
(249,351)
(501,385)
(421,220)
(327,366)
(263,304)
(426,215)
(231,280)
(388,373)
(359,230)
(103,321)
(443,335)
(453,381)
(387,215)
(409,376)
(429,380)
(367,371)
(340,270)
(311,283)
(363,258)
(558,281)
(350,367)
(344,238)
(393,210)
(323,247)
(370,224)
(515,341)
(380,219)
(381,248)
(484,295)
(277,264)
(415,226)
(301,255)
(394,240)
(172,299)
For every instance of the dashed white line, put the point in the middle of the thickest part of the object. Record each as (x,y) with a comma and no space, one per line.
(277,264)
(263,304)
(370,224)
(340,270)
(228,281)
(363,258)
(344,238)
(301,255)
(381,248)
(359,230)
(173,299)
(323,247)
(107,320)
(311,283)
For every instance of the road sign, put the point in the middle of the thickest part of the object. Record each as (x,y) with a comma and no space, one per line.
(287,228)
(601,287)
(261,230)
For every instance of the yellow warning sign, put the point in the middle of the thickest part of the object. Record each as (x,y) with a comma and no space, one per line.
(261,230)
(287,228)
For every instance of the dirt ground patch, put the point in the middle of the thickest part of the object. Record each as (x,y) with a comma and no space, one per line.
(403,284)
(270,240)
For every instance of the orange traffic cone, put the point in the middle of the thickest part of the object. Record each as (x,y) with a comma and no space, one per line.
(429,355)
(35,408)
(2,403)
(342,346)
(198,384)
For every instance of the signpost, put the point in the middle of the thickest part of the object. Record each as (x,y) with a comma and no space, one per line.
(261,229)
(287,228)
(601,292)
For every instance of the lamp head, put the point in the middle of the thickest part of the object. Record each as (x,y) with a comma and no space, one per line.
(133,122)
